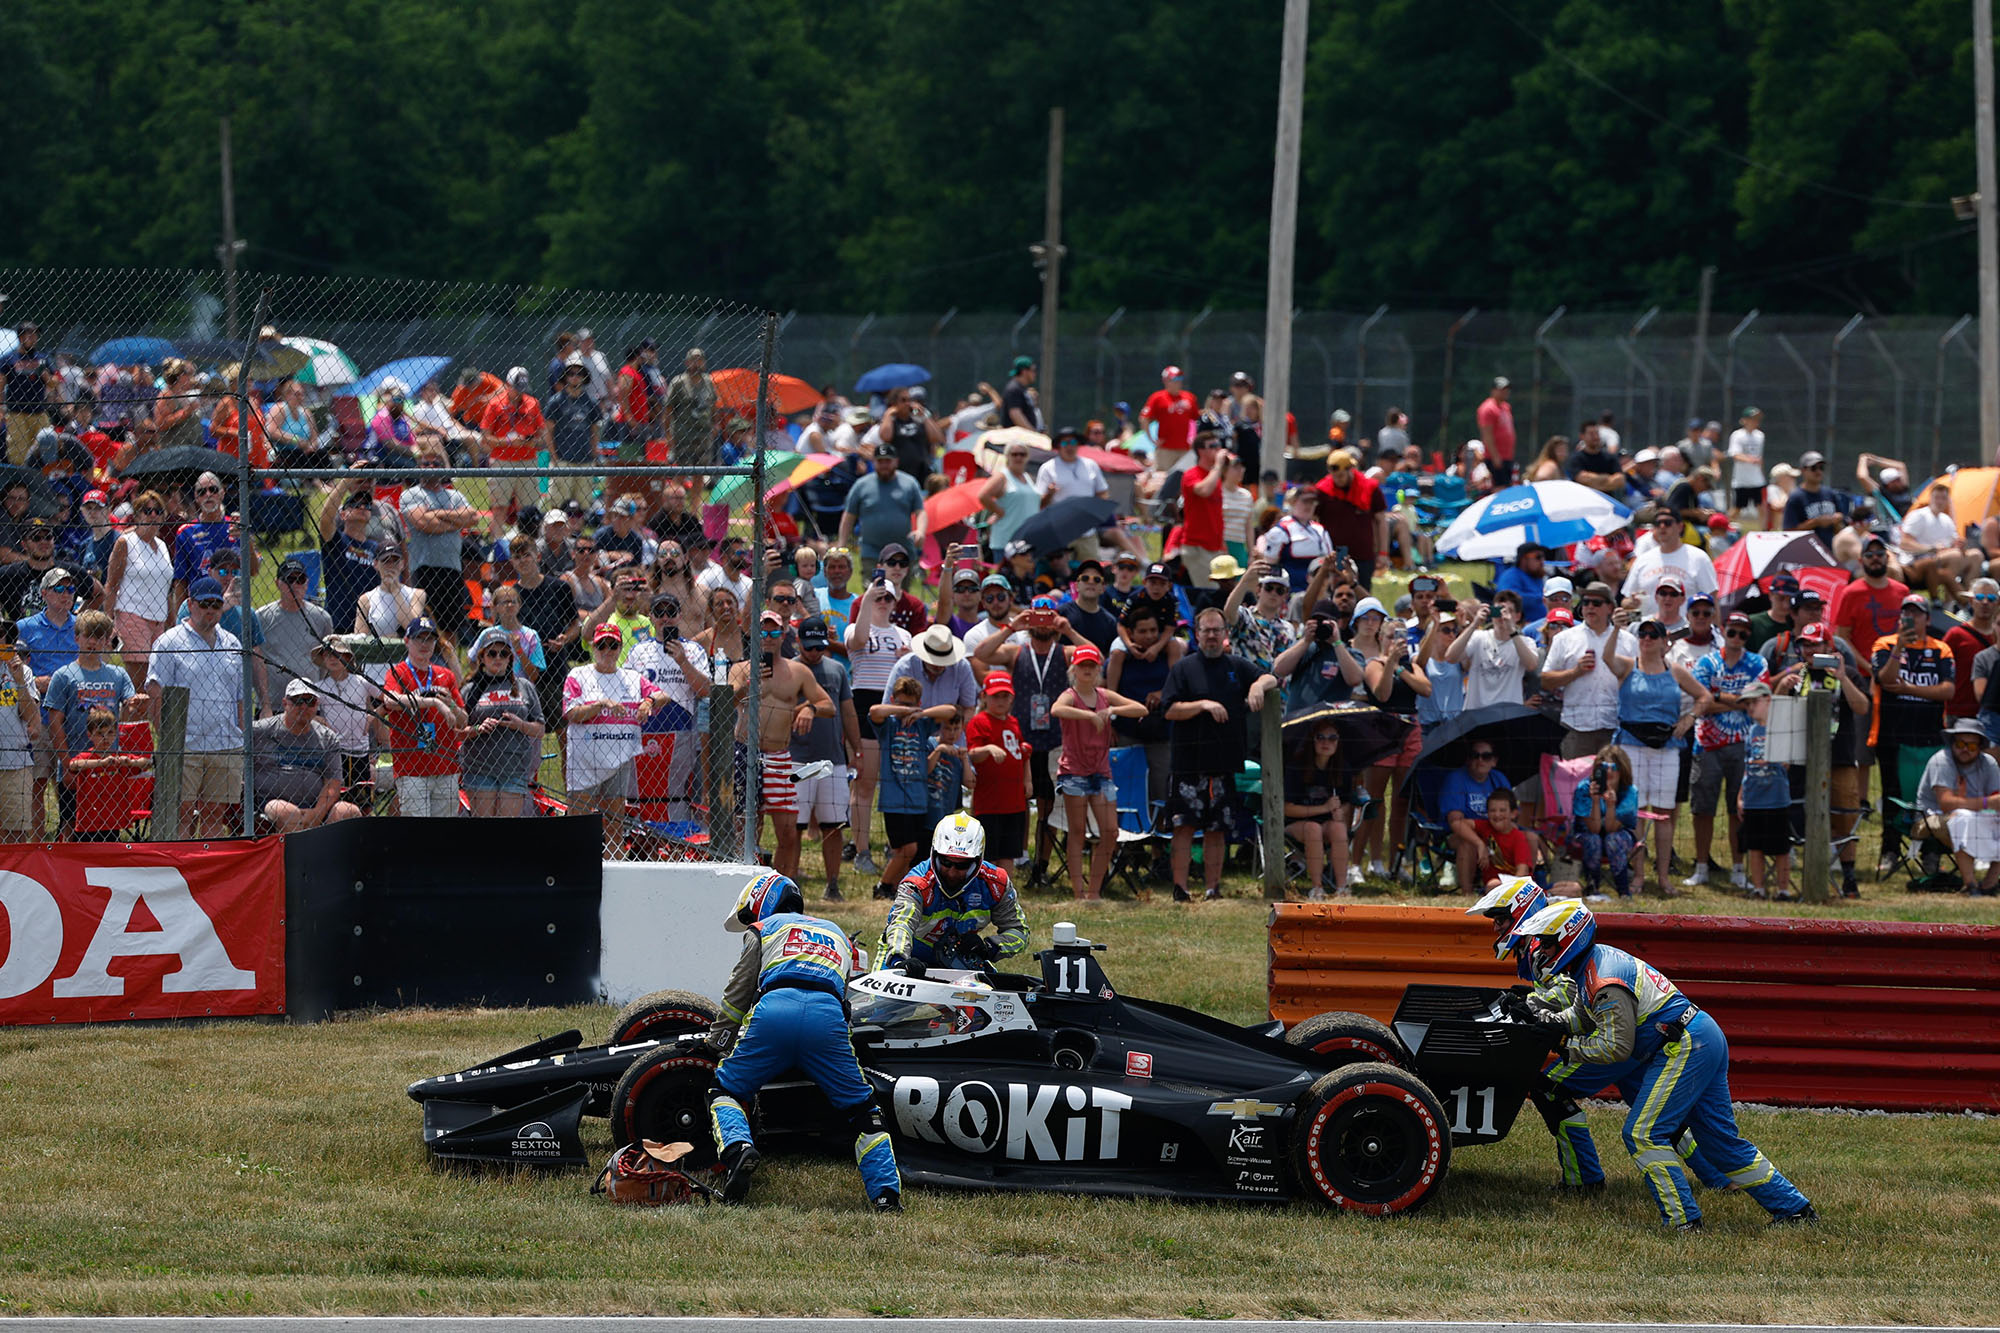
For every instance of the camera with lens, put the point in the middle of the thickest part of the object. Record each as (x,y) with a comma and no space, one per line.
(1322,631)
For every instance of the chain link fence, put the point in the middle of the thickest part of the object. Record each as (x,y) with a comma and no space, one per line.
(381,548)
(1905,387)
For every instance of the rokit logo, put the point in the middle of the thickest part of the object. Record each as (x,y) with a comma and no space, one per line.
(1041,1122)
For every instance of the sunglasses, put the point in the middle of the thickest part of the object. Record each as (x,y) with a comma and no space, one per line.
(293,578)
(1091,579)
(497,651)
(1664,522)
(69,588)
(1482,754)
(1668,592)
(1595,601)
(996,596)
(1738,634)
(899,564)
(783,601)
(1655,634)
(303,701)
(210,603)
(772,632)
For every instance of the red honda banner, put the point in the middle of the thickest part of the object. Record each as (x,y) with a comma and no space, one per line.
(96,931)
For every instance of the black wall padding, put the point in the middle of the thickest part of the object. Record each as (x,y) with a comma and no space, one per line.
(398,912)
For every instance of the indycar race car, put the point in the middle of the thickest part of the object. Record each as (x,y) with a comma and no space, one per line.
(1059,1083)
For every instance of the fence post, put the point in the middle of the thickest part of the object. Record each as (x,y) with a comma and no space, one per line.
(1361,366)
(1833,385)
(246,534)
(171,741)
(747,799)
(1271,759)
(1937,404)
(1729,370)
(1816,862)
(1535,401)
(1444,399)
(722,826)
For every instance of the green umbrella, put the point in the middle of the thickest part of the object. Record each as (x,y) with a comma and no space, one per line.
(328,368)
(733,491)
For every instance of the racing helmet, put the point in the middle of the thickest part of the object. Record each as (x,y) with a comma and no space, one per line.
(1557,935)
(1507,904)
(769,894)
(956,847)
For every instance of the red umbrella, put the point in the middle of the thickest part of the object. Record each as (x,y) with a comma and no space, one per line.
(737,390)
(1110,460)
(954,504)
(1749,566)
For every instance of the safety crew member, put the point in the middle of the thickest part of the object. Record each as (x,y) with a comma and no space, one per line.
(1507,902)
(1632,1028)
(944,903)
(788,994)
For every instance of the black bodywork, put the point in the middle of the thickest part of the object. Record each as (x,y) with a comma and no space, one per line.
(1101,1093)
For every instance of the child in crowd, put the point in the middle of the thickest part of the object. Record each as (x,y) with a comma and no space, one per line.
(947,773)
(1765,802)
(905,731)
(999,759)
(103,775)
(1508,849)
(1083,769)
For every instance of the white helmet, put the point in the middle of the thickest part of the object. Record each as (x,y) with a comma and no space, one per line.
(956,847)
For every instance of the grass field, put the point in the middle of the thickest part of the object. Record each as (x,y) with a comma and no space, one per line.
(244,1169)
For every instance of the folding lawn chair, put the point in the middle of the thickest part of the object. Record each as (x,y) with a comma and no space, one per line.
(1924,859)
(1138,818)
(1426,849)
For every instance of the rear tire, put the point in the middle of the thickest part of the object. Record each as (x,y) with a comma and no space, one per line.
(664,1096)
(661,1016)
(1350,1039)
(1372,1139)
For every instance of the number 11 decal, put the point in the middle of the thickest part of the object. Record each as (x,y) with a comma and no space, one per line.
(1461,1118)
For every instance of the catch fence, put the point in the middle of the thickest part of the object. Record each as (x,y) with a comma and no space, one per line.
(1905,387)
(347,460)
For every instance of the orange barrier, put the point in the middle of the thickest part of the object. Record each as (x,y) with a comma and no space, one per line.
(1870,1014)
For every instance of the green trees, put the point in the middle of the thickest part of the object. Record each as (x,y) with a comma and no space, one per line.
(888,154)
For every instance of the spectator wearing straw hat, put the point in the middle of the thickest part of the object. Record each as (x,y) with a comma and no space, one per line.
(347,705)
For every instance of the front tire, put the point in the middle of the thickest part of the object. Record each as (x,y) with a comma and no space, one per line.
(1371,1139)
(1348,1039)
(664,1096)
(661,1016)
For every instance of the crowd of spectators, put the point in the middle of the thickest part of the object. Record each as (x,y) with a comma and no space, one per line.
(469,632)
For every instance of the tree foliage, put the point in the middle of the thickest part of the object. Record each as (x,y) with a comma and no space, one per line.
(889,154)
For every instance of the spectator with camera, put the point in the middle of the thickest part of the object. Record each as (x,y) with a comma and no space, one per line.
(20,732)
(1318,666)
(1914,680)
(1815,658)
(1579,667)
(1494,651)
(1209,697)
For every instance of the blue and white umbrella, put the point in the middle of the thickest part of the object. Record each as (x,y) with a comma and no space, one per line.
(1554,513)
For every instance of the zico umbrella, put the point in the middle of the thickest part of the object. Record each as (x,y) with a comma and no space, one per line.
(1751,564)
(1553,513)
(1367,734)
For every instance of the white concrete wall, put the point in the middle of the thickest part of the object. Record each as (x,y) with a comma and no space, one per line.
(662,927)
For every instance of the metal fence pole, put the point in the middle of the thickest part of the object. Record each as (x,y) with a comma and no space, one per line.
(1895,371)
(171,742)
(1729,368)
(1271,766)
(753,751)
(1444,398)
(1535,391)
(1937,405)
(246,605)
(1812,385)
(1833,386)
(1361,365)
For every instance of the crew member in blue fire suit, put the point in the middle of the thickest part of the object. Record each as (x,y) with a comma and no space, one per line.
(788,994)
(1632,1028)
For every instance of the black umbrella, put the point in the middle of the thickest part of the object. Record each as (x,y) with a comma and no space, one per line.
(1519,735)
(43,502)
(1066,520)
(189,460)
(1367,734)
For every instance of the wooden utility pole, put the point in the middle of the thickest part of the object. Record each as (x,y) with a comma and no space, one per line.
(1816,860)
(1277,386)
(1271,766)
(1049,255)
(1989,246)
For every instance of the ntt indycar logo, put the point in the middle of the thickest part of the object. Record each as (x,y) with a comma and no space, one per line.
(1024,1122)
(1527,504)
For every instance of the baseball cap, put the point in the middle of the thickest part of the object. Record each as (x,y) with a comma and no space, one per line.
(1156,570)
(1646,456)
(1694,423)
(1891,475)
(1736,618)
(1170,373)
(1240,377)
(518,377)
(421,625)
(1875,539)
(1812,595)
(1916,601)
(625,505)
(1561,616)
(204,589)
(1814,458)
(1700,598)
(292,565)
(1126,558)
(1368,606)
(999,682)
(1718,522)
(1665,584)
(1557,584)
(666,604)
(892,550)
(1814,633)
(1017,548)
(607,633)
(1086,565)
(1278,577)
(1068,435)
(995,581)
(1756,689)
(1785,584)
(1501,381)
(812,633)
(96,498)
(1086,652)
(770,617)
(965,576)
(299,689)
(1022,363)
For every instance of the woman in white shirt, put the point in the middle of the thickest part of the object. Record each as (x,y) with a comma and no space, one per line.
(139,584)
(1494,652)
(385,609)
(1239,512)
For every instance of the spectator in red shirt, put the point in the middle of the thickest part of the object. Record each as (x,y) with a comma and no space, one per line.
(1496,433)
(422,711)
(1968,641)
(1868,608)
(1354,513)
(1202,537)
(1173,410)
(999,770)
(511,432)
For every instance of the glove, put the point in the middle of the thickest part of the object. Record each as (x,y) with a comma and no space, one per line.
(914,970)
(894,962)
(991,948)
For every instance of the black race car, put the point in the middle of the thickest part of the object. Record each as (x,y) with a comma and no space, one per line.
(1008,1082)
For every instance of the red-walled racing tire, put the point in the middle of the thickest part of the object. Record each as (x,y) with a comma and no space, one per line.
(1370,1138)
(1350,1039)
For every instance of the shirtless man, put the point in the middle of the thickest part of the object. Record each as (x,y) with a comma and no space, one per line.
(788,699)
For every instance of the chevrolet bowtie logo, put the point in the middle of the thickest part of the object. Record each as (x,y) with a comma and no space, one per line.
(1244,1108)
